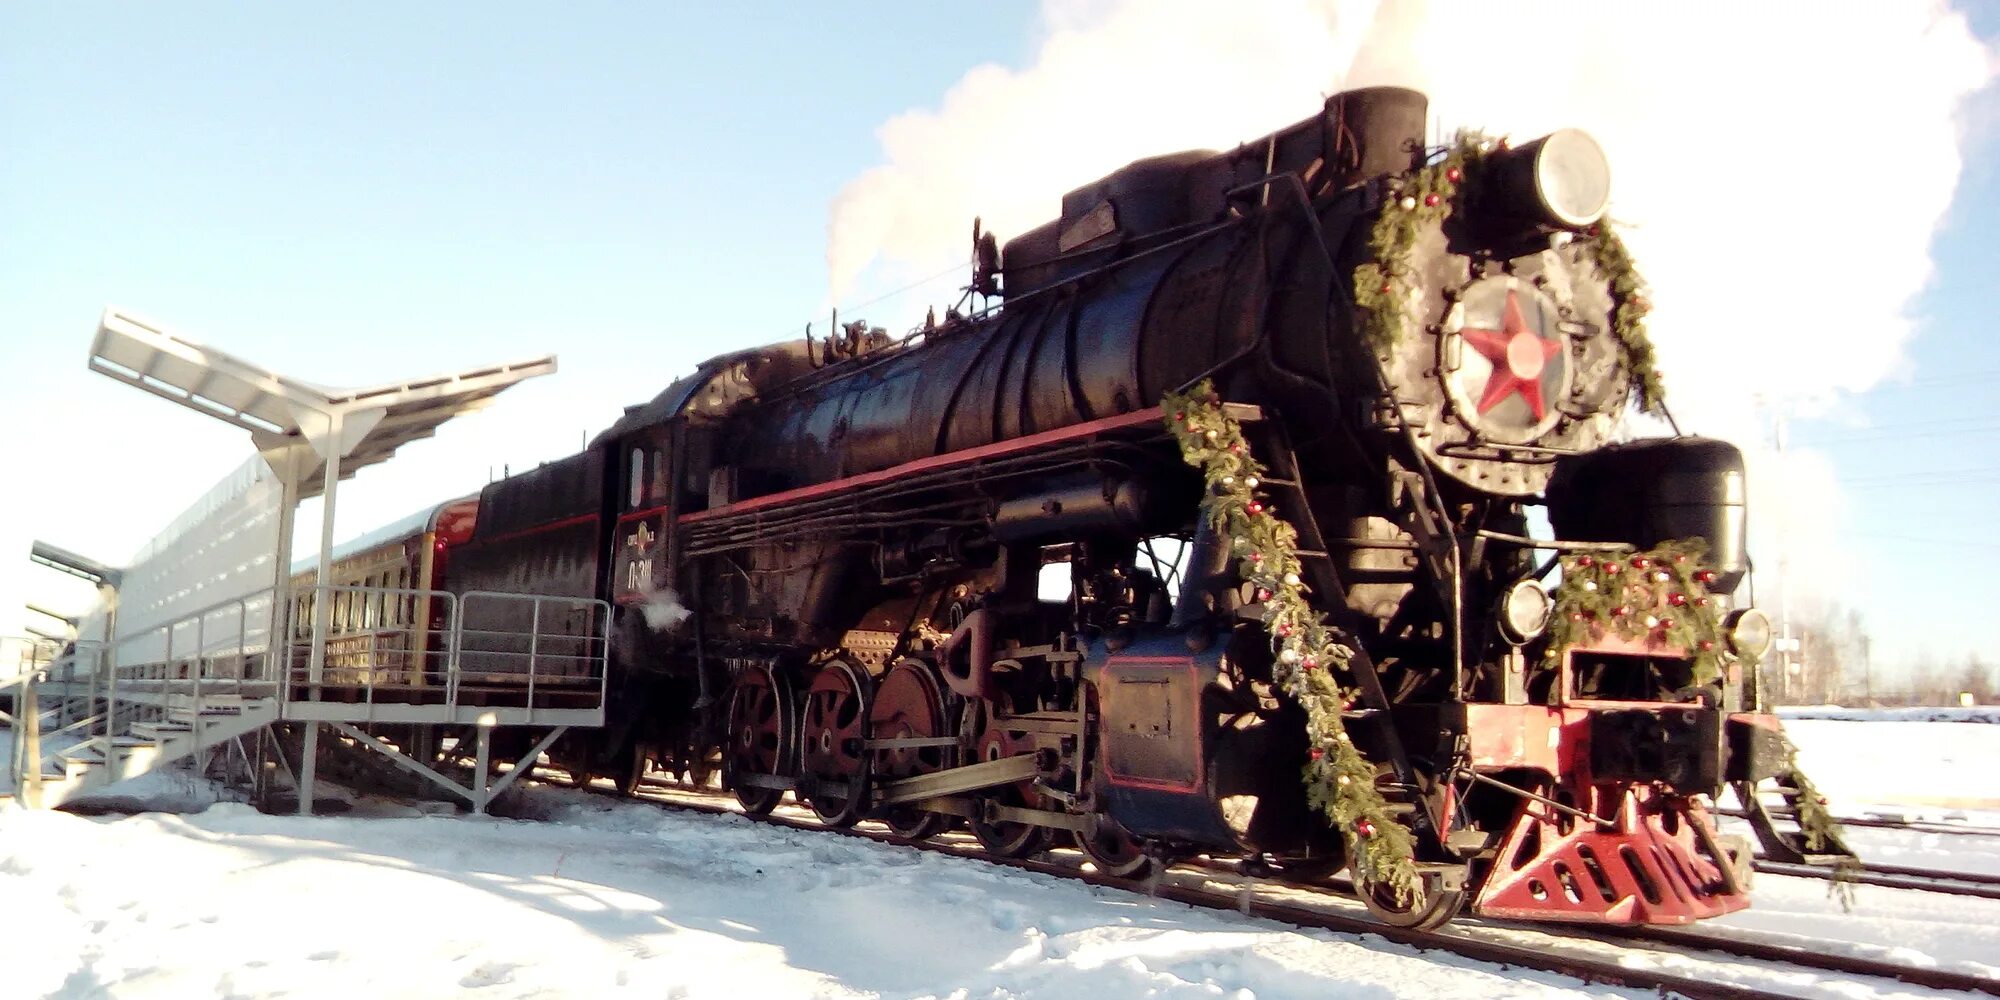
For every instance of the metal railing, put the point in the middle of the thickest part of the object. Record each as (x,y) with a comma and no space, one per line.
(406,645)
(403,646)
(378,638)
(566,646)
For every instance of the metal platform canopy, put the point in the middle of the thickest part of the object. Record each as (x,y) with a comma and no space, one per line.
(311,436)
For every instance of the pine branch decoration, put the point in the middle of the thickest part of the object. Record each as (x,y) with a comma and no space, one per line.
(1628,314)
(1340,781)
(1385,284)
(1424,198)
(1659,596)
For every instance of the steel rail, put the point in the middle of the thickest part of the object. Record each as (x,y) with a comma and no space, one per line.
(1947,883)
(1914,826)
(1604,972)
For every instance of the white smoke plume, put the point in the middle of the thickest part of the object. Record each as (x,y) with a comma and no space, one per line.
(663,610)
(1778,168)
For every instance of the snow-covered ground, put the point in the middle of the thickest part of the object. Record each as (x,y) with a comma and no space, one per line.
(595,897)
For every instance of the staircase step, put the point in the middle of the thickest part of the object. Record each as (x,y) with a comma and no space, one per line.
(156,730)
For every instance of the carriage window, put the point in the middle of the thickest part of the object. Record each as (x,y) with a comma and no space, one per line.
(636,492)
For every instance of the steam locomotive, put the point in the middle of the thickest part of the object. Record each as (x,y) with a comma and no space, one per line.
(965,576)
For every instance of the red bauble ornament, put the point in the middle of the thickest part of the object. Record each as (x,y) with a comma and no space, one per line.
(1585,562)
(1621,611)
(1638,562)
(1385,288)
(1453,174)
(1318,754)
(1254,507)
(1263,595)
(1256,557)
(1363,827)
(1701,602)
(1432,200)
(1309,663)
(1706,577)
(1677,599)
(1236,447)
(1180,415)
(1666,623)
(1680,558)
(1284,631)
(1706,645)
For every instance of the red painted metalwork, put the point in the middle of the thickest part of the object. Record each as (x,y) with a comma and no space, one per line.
(1658,863)
(1126,421)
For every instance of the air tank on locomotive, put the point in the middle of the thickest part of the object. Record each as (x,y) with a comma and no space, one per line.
(1655,490)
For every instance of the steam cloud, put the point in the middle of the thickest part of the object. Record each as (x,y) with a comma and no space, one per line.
(663,610)
(1779,169)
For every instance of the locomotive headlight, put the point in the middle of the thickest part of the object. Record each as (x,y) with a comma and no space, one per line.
(1748,632)
(1524,612)
(1562,178)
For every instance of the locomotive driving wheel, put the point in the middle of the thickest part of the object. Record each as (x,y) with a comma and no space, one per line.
(909,705)
(835,757)
(763,737)
(1004,838)
(636,767)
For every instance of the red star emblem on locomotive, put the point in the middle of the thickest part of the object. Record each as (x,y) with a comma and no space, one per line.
(1519,354)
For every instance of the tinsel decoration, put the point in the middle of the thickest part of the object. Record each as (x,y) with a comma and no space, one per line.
(1629,306)
(1427,197)
(1340,782)
(1659,596)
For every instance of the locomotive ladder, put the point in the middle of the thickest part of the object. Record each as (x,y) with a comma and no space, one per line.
(1281,483)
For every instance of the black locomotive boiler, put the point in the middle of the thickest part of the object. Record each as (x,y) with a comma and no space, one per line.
(965,576)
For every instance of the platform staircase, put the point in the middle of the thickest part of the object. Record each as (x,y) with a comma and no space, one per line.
(163,723)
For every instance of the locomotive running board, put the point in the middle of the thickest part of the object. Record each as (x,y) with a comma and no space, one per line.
(1005,771)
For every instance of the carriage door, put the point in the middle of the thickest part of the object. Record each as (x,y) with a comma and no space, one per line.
(639,562)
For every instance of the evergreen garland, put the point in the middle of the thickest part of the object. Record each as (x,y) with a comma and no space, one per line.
(1819,830)
(1340,782)
(1628,314)
(1427,197)
(1661,596)
(1415,202)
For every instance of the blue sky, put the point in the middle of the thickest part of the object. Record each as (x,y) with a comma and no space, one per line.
(359,197)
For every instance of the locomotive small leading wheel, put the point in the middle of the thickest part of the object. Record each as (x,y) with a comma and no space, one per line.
(1115,852)
(763,736)
(835,728)
(1426,908)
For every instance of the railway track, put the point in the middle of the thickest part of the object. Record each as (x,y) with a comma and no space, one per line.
(1470,939)
(1950,883)
(1878,823)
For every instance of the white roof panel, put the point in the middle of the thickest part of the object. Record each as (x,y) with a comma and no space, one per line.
(145,355)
